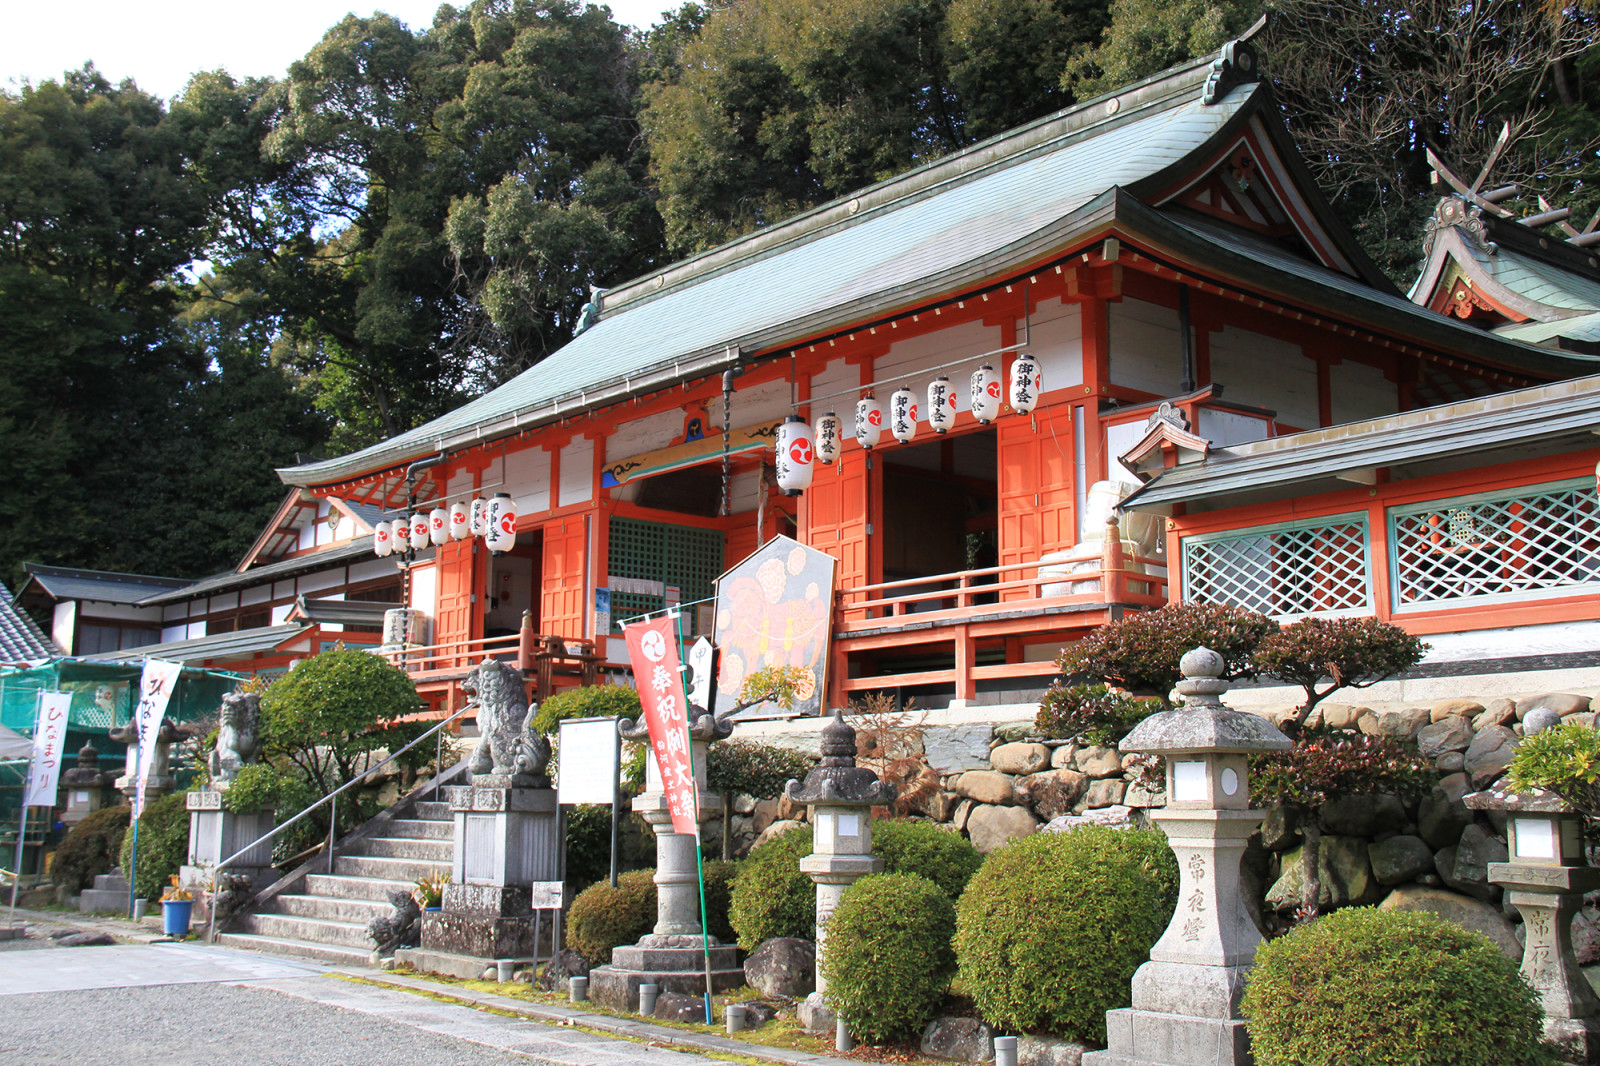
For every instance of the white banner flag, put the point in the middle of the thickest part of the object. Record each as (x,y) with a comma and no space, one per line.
(49,737)
(155,690)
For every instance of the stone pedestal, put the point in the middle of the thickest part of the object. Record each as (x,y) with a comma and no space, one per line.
(506,838)
(673,955)
(84,787)
(216,834)
(1186,998)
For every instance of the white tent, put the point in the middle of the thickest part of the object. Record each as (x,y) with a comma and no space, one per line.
(13,745)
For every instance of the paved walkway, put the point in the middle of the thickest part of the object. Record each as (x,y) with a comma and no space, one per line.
(150,1003)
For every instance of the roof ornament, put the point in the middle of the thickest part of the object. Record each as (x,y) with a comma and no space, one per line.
(1466,218)
(1167,412)
(590,314)
(1238,64)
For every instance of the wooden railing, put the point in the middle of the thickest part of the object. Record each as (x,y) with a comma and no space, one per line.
(1011,607)
(548,660)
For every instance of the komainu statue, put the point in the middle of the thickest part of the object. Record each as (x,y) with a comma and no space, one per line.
(238,737)
(508,746)
(401,927)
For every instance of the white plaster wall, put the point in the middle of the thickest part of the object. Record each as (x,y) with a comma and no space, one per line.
(836,376)
(752,404)
(369,569)
(327,579)
(916,356)
(1056,343)
(425,589)
(1119,438)
(577,473)
(1359,392)
(528,480)
(1223,428)
(1266,372)
(1145,348)
(644,435)
(259,594)
(63,624)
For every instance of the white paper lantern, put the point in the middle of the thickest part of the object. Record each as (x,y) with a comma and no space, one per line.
(1025,384)
(869,421)
(827,437)
(903,415)
(941,404)
(796,450)
(460,522)
(400,534)
(419,530)
(500,520)
(382,544)
(479,526)
(985,394)
(438,526)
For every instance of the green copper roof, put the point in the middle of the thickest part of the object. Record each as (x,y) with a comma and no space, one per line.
(916,235)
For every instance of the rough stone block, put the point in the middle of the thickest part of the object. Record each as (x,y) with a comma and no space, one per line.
(1342,862)
(776,829)
(1451,762)
(1563,703)
(1019,758)
(991,827)
(1489,754)
(1051,793)
(985,786)
(1362,815)
(783,966)
(678,1007)
(1452,733)
(1400,859)
(1465,912)
(1098,762)
(1467,709)
(1048,1051)
(960,1039)
(1402,724)
(1341,715)
(1104,793)
(1280,829)
(957,748)
(1499,712)
(1062,756)
(1013,732)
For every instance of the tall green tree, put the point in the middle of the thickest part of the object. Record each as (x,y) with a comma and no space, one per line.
(109,407)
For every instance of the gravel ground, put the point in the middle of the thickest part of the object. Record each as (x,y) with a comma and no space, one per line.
(215,1025)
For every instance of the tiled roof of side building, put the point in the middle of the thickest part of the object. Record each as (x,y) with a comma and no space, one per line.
(20,639)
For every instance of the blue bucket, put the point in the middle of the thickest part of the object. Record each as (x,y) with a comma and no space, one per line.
(175,916)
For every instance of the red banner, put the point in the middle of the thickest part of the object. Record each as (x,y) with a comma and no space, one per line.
(653,653)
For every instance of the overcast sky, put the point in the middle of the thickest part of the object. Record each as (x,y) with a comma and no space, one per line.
(159,43)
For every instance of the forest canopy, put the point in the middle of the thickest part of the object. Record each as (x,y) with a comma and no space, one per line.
(195,291)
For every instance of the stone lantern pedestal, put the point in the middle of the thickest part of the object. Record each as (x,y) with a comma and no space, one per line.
(160,781)
(1186,998)
(841,796)
(1545,880)
(215,834)
(672,956)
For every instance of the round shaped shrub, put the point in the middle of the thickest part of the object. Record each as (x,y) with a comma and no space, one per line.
(771,897)
(1363,987)
(163,844)
(90,849)
(586,701)
(602,917)
(1051,928)
(928,850)
(888,960)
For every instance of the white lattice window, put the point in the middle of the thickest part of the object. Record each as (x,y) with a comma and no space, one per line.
(1289,570)
(1530,542)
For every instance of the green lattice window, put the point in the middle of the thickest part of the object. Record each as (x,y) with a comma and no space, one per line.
(648,558)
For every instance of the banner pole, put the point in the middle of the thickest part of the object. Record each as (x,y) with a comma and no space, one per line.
(699,846)
(16,880)
(133,855)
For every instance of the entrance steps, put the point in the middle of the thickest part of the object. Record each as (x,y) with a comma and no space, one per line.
(326,917)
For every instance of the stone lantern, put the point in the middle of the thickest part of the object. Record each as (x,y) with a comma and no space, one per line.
(673,956)
(1185,999)
(85,786)
(1545,879)
(841,796)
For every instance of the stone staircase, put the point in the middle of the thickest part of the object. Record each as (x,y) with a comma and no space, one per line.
(327,918)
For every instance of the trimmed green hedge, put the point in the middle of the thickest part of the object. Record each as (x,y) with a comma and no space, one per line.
(92,848)
(1050,930)
(771,896)
(163,844)
(1363,987)
(602,917)
(889,959)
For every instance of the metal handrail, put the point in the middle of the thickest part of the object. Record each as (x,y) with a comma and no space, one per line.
(333,814)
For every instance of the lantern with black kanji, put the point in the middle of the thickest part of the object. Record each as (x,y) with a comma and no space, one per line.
(903,415)
(941,404)
(985,394)
(827,432)
(796,450)
(500,522)
(1024,384)
(477,516)
(869,421)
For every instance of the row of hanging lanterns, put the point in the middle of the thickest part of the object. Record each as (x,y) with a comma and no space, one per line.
(800,445)
(494,519)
